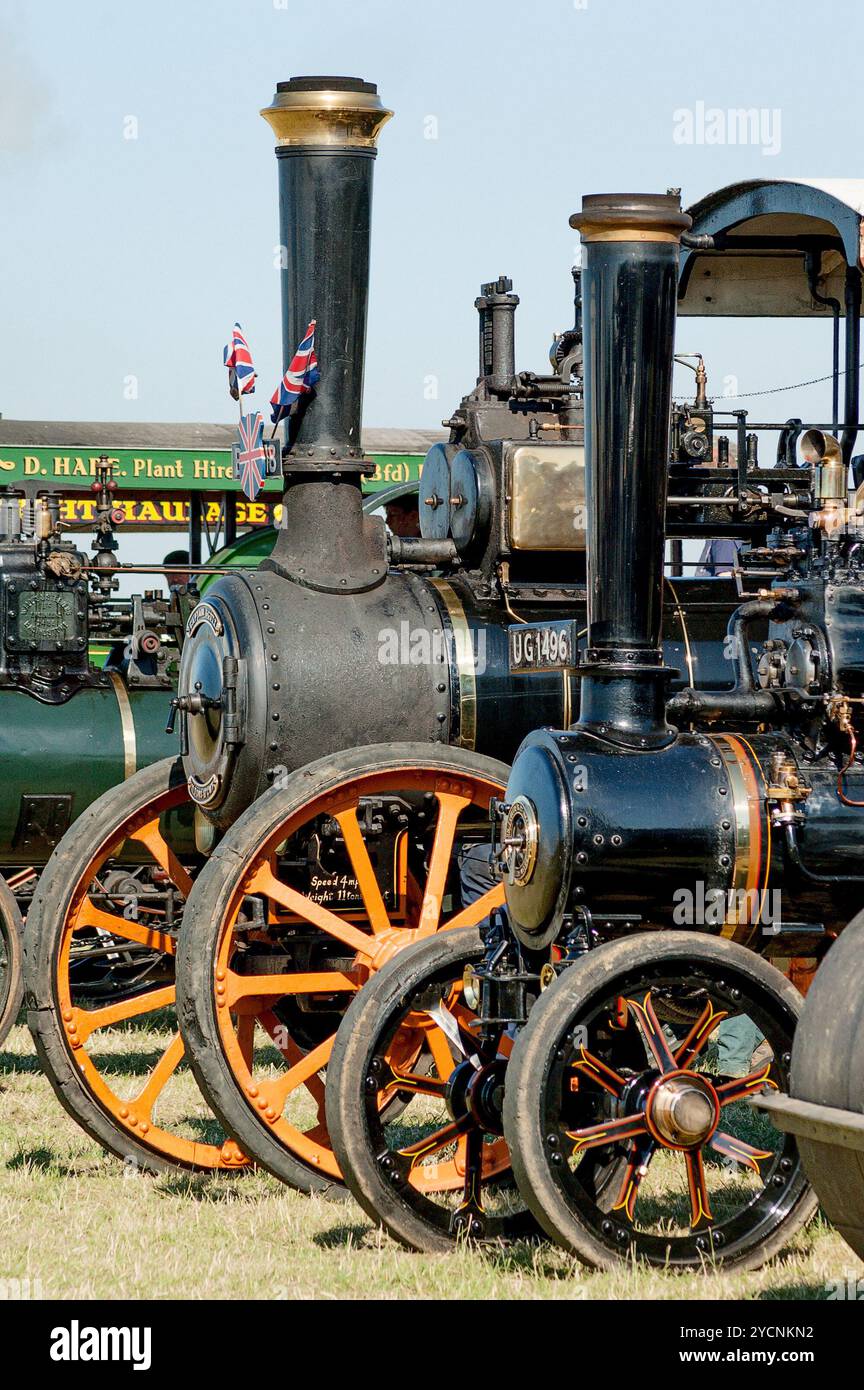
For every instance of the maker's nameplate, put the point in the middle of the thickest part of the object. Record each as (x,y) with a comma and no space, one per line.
(203,793)
(204,613)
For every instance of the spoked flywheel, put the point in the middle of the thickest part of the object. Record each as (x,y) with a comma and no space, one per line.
(312,890)
(100,945)
(436,1169)
(11,948)
(707,1178)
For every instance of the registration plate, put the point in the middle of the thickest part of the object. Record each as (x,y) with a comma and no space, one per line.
(551,646)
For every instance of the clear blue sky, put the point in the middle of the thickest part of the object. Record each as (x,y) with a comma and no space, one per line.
(132,257)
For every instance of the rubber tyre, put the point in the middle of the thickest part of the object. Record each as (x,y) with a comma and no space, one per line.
(12,928)
(529,1062)
(45,920)
(828,1069)
(206,908)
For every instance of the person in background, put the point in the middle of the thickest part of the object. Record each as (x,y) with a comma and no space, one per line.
(403,516)
(719,557)
(175,563)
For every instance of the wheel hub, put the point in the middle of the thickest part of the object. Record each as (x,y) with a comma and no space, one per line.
(520,835)
(682,1110)
(486,1096)
(456,1092)
(478,1093)
(384,945)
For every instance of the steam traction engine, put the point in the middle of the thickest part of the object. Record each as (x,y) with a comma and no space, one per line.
(342,639)
(69,730)
(627,1133)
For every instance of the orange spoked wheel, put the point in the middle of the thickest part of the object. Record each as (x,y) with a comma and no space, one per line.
(100,945)
(310,893)
(707,1179)
(437,1169)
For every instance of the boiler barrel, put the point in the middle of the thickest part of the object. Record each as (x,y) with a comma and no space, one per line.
(57,761)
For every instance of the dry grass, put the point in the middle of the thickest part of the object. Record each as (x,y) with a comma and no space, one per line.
(77,1226)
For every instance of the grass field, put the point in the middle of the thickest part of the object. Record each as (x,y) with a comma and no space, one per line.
(75,1224)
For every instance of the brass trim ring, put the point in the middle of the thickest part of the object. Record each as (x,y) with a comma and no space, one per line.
(349,120)
(127,726)
(747,804)
(627,234)
(465,673)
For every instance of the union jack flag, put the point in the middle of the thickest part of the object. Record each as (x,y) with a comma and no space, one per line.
(238,360)
(251,454)
(300,378)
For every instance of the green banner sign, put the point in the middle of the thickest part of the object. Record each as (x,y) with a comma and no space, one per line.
(163,470)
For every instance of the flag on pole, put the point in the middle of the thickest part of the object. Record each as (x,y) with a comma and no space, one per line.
(300,378)
(251,455)
(238,360)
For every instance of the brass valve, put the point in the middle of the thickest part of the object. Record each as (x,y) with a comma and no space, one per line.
(785,789)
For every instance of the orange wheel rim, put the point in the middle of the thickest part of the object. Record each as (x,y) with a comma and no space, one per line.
(365,950)
(81,1024)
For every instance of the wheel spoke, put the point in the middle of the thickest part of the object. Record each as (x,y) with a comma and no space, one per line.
(413,1081)
(246,1039)
(468,1022)
(89,915)
(619,1016)
(439,1139)
(708,1020)
(700,1206)
(731,1147)
(594,1070)
(302,1071)
(469,1214)
(159,1077)
(451,807)
(612,1132)
(637,1167)
(651,1029)
(265,881)
(367,880)
(151,836)
(742,1086)
(476,911)
(292,1053)
(436,1041)
(277,986)
(88,1021)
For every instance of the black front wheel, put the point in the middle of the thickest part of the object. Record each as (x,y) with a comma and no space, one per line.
(436,1169)
(707,1179)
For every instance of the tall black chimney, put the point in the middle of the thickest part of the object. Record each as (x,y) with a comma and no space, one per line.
(326,134)
(629,285)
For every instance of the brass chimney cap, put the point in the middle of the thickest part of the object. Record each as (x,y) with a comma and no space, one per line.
(331,112)
(631,217)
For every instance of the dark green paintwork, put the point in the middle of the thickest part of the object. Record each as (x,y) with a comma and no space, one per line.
(76,747)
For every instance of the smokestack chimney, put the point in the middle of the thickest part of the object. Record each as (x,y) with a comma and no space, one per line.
(629,287)
(326,131)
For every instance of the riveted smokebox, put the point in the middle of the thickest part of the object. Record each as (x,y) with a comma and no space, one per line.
(326,135)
